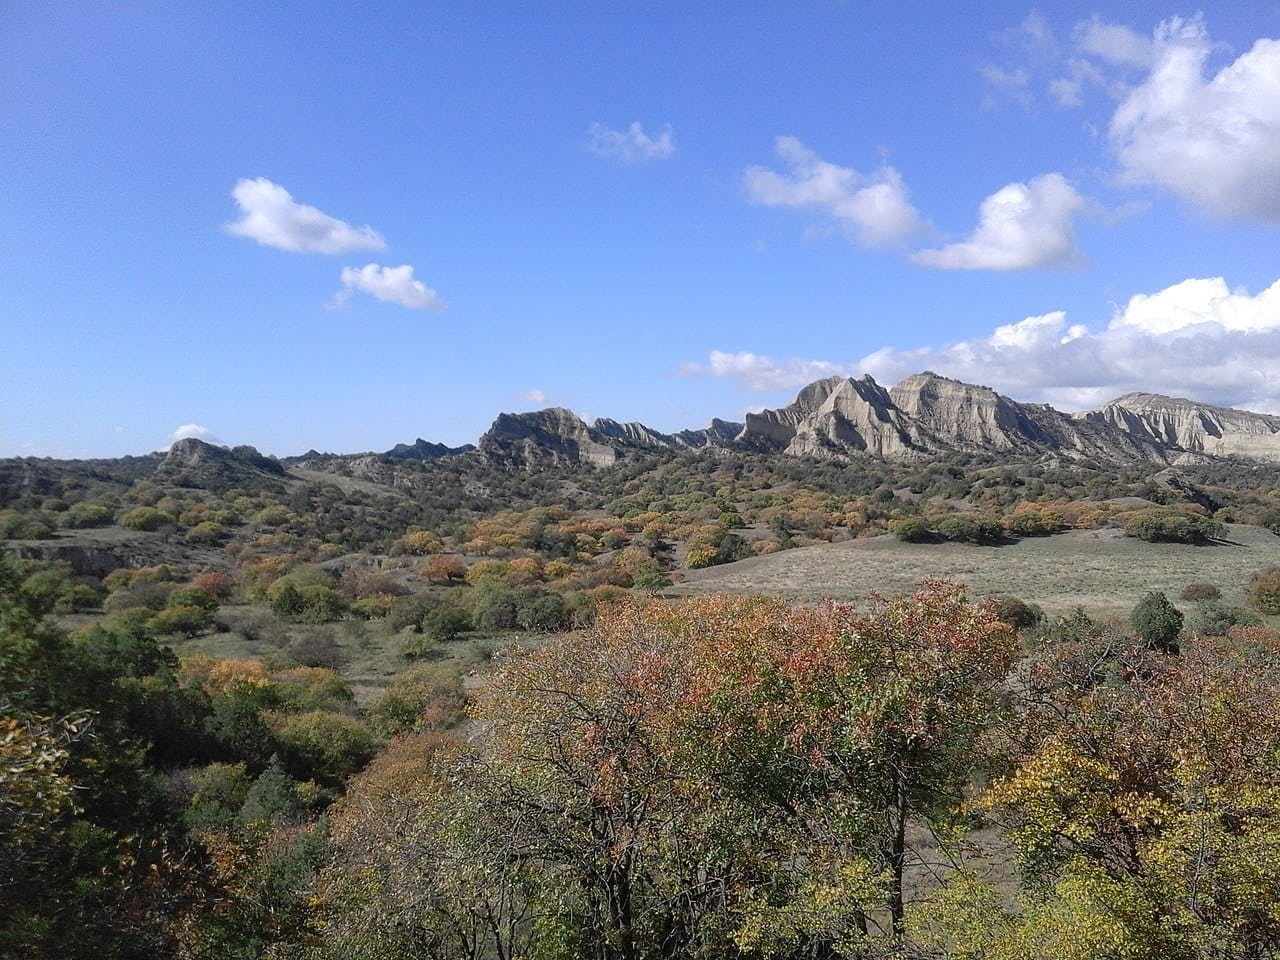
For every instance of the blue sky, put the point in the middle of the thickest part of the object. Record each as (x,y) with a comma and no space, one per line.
(658,212)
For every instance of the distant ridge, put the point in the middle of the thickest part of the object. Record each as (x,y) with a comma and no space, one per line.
(925,415)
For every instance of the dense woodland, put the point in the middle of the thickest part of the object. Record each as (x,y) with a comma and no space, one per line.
(561,763)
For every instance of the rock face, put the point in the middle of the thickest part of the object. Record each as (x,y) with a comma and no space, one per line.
(194,463)
(422,450)
(1185,425)
(924,415)
(551,437)
(836,416)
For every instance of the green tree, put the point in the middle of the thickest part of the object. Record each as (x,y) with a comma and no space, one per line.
(1157,621)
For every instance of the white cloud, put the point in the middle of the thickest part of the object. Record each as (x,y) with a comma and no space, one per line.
(193,430)
(392,284)
(535,396)
(1194,339)
(763,374)
(1020,226)
(1113,42)
(1214,142)
(1205,301)
(273,218)
(631,145)
(873,207)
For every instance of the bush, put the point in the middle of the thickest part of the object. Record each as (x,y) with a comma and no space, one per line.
(1210,618)
(424,697)
(188,621)
(147,519)
(329,746)
(1172,526)
(1264,590)
(1157,621)
(911,530)
(1200,591)
(83,516)
(1018,613)
(965,529)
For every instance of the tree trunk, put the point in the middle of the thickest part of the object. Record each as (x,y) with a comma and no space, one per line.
(898,853)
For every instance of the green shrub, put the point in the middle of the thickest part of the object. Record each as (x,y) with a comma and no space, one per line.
(83,516)
(147,519)
(187,621)
(1157,621)
(330,746)
(425,697)
(1210,618)
(911,530)
(966,529)
(1172,526)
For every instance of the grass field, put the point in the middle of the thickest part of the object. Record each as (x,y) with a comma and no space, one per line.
(1101,570)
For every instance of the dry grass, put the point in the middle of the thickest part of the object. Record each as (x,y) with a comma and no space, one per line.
(1101,570)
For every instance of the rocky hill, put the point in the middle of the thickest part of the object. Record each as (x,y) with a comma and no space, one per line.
(1197,428)
(194,463)
(924,415)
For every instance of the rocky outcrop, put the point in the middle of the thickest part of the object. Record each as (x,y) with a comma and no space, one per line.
(424,450)
(1180,424)
(633,434)
(194,463)
(843,416)
(553,437)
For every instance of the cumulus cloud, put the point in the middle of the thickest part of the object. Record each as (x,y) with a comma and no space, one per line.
(763,374)
(873,208)
(188,431)
(631,145)
(1216,141)
(392,284)
(1197,339)
(270,216)
(535,396)
(1020,226)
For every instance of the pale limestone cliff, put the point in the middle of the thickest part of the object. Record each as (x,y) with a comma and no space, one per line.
(1193,427)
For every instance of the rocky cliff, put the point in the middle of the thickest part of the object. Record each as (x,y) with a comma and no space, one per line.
(550,437)
(1197,428)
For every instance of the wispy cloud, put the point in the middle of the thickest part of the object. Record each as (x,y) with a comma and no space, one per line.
(872,208)
(632,145)
(392,284)
(270,216)
(761,373)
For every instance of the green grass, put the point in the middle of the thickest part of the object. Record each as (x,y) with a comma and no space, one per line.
(1102,571)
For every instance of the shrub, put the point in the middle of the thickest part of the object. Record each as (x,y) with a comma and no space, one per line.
(216,584)
(1017,613)
(1157,621)
(700,556)
(1200,591)
(1264,590)
(1172,526)
(425,697)
(331,746)
(83,516)
(1210,618)
(964,529)
(147,519)
(443,568)
(911,530)
(189,621)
